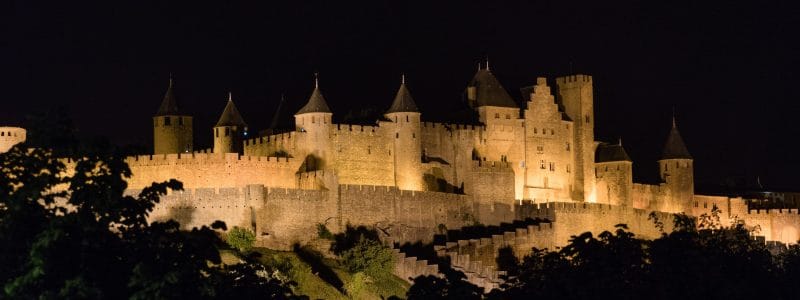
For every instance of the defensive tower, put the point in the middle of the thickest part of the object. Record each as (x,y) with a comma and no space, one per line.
(614,175)
(575,92)
(404,118)
(315,121)
(676,169)
(230,129)
(172,130)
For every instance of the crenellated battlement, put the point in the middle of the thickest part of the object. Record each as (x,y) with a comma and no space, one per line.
(275,138)
(204,158)
(573,79)
(350,128)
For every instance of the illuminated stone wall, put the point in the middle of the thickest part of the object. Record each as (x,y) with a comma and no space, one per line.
(10,136)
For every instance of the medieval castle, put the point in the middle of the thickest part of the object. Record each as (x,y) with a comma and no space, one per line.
(412,179)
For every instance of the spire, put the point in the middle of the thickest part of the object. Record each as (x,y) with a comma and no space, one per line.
(169,105)
(489,90)
(403,101)
(276,117)
(230,115)
(674,148)
(316,103)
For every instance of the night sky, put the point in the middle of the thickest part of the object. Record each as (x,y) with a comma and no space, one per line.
(730,69)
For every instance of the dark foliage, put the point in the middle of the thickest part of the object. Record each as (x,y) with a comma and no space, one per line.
(73,233)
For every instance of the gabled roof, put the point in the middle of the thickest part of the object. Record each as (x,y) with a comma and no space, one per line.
(611,152)
(169,106)
(489,90)
(674,148)
(230,115)
(316,103)
(403,101)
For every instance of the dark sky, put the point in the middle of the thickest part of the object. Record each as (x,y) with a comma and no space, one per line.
(730,68)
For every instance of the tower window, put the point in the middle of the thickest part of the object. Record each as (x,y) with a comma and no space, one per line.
(413,135)
(568,169)
(540,149)
(587,119)
(227,131)
(313,120)
(567,146)
(497,116)
(508,117)
(167,121)
(552,167)
(535,130)
(180,121)
(397,135)
(216,132)
(407,119)
(552,132)
(542,165)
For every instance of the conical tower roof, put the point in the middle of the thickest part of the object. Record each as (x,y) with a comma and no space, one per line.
(169,106)
(674,148)
(611,152)
(230,115)
(403,102)
(316,103)
(489,90)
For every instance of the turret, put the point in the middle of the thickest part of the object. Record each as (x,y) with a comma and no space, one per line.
(575,93)
(676,169)
(614,175)
(404,117)
(486,95)
(315,121)
(230,130)
(172,130)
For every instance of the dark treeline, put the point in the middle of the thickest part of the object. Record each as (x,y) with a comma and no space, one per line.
(76,235)
(696,261)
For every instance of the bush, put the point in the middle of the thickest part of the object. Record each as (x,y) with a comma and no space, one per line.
(323,232)
(368,256)
(240,238)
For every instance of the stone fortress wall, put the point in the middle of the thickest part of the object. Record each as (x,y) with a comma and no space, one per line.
(10,136)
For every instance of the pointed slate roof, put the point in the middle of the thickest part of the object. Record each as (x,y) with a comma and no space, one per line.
(169,106)
(489,90)
(230,115)
(403,101)
(316,103)
(611,152)
(674,148)
(276,117)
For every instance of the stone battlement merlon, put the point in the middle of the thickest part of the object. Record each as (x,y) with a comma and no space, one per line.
(283,137)
(203,158)
(573,79)
(356,128)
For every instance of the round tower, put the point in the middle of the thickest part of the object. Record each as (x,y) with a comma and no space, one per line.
(230,130)
(676,169)
(10,136)
(405,134)
(614,175)
(172,130)
(315,123)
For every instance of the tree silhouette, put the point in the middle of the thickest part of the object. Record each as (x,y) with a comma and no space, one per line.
(73,233)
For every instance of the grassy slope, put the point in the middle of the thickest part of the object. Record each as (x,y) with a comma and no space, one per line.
(311,281)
